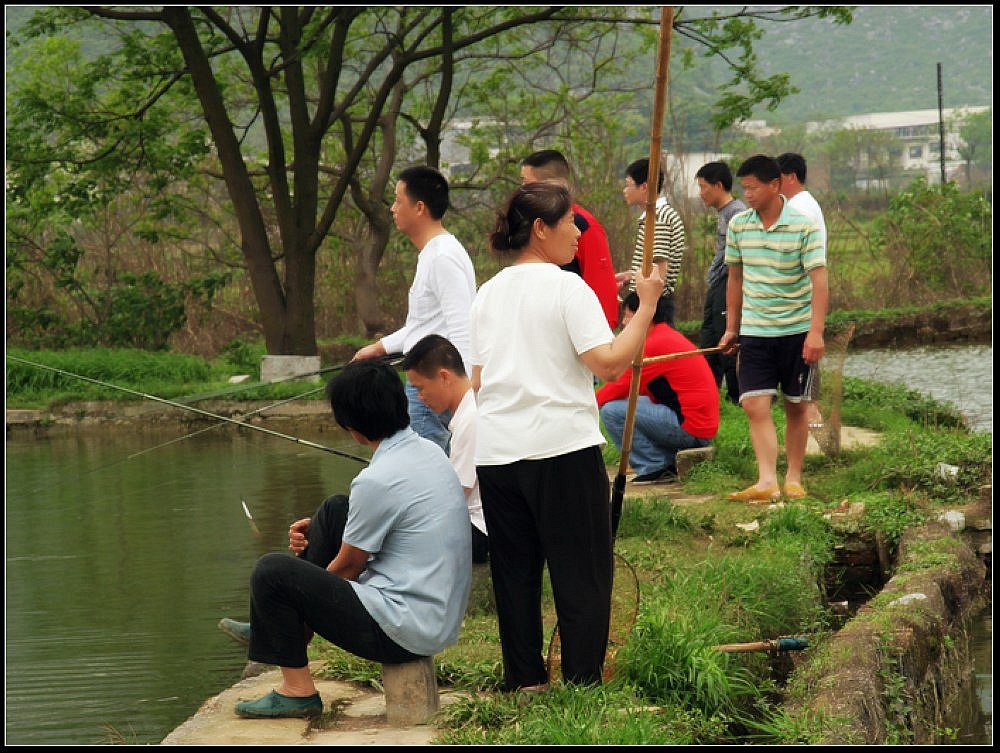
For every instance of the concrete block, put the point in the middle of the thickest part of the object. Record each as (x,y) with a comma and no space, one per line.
(282,368)
(411,695)
(687,459)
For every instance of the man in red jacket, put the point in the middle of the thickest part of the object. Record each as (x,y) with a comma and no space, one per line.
(593,255)
(678,405)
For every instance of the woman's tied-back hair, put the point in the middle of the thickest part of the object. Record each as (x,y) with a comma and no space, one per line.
(368,396)
(546,201)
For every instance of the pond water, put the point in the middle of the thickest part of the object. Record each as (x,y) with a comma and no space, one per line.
(959,374)
(117,572)
(119,568)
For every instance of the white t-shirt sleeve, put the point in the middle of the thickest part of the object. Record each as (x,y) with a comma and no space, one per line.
(585,321)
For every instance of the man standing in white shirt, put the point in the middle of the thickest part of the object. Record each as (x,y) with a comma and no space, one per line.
(443,287)
(434,367)
(793,186)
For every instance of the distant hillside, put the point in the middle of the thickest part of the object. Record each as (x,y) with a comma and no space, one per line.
(886,60)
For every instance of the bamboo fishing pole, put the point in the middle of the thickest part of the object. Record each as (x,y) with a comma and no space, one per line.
(649,238)
(191,408)
(680,354)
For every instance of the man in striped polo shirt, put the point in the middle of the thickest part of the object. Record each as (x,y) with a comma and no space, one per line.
(776,300)
(668,238)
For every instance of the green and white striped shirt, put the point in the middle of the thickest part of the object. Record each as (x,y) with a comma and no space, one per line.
(776,261)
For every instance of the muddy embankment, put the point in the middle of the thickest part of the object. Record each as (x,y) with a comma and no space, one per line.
(893,671)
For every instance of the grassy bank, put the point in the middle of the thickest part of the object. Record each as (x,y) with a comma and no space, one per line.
(713,572)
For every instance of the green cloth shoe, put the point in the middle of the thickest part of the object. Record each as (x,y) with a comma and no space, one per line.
(238,631)
(277,706)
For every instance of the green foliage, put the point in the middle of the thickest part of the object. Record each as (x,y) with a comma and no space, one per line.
(888,513)
(139,370)
(573,715)
(938,239)
(136,311)
(878,406)
(244,355)
(671,659)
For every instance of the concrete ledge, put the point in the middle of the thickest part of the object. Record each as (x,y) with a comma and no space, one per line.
(283,368)
(907,632)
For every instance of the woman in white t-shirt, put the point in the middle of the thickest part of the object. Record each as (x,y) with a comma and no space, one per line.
(539,336)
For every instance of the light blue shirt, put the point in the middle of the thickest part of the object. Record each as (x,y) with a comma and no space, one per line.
(408,510)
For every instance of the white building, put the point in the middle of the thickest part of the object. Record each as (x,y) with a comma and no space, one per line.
(919,133)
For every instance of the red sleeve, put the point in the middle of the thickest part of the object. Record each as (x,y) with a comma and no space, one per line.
(594,256)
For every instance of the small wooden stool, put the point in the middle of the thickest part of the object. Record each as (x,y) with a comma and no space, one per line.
(411,695)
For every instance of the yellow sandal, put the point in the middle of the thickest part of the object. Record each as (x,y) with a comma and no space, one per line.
(753,494)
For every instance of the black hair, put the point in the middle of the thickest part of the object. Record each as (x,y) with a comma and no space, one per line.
(549,162)
(716,172)
(790,162)
(548,202)
(432,353)
(663,307)
(760,166)
(638,171)
(368,396)
(426,184)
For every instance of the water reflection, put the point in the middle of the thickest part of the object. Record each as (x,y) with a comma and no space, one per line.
(116,577)
(959,374)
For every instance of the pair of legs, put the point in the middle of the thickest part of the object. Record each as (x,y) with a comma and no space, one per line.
(427,423)
(765,364)
(656,437)
(291,597)
(713,326)
(551,511)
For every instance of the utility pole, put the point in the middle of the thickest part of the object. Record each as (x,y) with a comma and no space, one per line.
(940,123)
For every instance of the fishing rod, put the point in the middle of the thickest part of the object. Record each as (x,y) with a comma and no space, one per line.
(392,360)
(215,426)
(193,409)
(680,354)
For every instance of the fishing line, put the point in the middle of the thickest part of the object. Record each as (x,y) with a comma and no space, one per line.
(193,409)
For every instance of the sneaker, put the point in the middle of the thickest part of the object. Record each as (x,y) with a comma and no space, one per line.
(238,631)
(662,476)
(277,706)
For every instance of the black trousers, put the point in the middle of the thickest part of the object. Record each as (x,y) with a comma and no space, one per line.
(554,511)
(289,593)
(713,327)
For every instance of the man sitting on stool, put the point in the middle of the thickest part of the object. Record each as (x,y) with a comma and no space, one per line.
(393,588)
(678,405)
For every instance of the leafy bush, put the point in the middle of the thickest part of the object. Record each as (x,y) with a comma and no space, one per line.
(123,367)
(937,239)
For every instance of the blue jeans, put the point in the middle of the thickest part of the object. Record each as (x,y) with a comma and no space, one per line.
(656,437)
(427,423)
